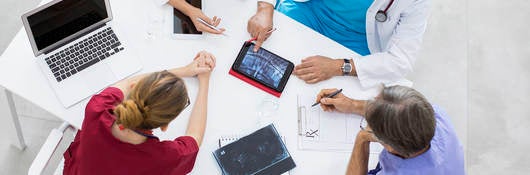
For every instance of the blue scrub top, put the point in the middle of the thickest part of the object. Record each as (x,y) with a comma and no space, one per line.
(343,21)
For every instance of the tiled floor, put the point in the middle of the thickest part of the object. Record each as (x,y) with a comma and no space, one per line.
(474,64)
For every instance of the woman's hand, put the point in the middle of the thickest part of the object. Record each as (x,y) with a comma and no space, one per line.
(205,60)
(203,63)
(197,13)
(194,13)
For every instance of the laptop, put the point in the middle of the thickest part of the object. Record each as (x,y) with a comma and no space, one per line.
(77,49)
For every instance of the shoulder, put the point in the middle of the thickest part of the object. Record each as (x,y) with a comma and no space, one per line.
(106,99)
(183,146)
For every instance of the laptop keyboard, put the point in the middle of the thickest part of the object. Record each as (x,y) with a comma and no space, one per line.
(83,54)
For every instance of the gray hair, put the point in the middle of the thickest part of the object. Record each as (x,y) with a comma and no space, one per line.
(402,118)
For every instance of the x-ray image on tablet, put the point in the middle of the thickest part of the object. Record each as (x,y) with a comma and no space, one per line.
(183,27)
(264,67)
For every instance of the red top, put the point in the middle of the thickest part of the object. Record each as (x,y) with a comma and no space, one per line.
(96,151)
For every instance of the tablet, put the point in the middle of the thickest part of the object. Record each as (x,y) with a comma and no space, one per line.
(263,67)
(183,27)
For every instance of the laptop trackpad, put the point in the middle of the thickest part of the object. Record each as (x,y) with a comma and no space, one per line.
(98,77)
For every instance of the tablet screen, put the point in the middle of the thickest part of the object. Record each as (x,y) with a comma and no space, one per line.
(182,24)
(264,66)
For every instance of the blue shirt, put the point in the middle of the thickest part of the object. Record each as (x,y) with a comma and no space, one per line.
(445,156)
(343,21)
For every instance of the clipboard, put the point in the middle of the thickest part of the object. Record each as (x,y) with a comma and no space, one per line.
(327,131)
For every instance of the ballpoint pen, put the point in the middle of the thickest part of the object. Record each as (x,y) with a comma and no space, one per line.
(210,26)
(329,96)
(256,38)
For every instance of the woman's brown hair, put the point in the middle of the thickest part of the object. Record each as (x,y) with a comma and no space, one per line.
(154,101)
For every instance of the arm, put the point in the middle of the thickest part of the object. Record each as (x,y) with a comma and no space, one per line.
(399,54)
(197,121)
(199,65)
(358,164)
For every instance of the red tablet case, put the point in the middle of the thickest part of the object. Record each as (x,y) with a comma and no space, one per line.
(254,83)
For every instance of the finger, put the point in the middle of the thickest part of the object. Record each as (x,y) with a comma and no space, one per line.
(216,21)
(329,101)
(257,44)
(313,81)
(325,92)
(327,108)
(204,28)
(203,70)
(197,56)
(209,62)
(307,77)
(304,65)
(303,71)
(213,59)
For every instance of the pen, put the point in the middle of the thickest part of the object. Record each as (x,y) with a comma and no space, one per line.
(256,38)
(329,96)
(209,25)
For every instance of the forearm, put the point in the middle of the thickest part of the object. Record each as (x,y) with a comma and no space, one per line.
(358,107)
(197,121)
(182,6)
(358,164)
(180,72)
(265,7)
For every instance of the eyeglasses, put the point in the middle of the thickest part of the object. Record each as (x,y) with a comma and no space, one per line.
(364,125)
(188,104)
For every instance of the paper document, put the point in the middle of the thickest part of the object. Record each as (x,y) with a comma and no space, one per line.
(327,131)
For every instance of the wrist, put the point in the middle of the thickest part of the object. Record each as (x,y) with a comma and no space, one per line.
(363,138)
(338,64)
(264,7)
(358,106)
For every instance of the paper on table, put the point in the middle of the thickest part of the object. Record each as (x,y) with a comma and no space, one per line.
(327,131)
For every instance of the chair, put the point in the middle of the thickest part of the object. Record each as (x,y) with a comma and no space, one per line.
(42,159)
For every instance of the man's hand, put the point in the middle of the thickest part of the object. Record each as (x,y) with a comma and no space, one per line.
(340,103)
(318,68)
(260,24)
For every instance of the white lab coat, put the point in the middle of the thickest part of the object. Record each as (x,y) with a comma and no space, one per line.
(394,44)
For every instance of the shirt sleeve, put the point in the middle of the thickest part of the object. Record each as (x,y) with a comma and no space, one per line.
(187,149)
(103,101)
(397,60)
(160,2)
(273,2)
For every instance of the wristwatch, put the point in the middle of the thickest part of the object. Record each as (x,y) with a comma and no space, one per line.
(346,67)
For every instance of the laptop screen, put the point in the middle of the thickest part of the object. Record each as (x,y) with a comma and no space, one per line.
(63,19)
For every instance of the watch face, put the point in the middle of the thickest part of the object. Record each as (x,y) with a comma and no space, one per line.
(347,68)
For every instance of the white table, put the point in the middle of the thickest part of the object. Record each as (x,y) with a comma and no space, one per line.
(232,103)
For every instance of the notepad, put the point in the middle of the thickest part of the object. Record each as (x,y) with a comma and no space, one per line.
(262,152)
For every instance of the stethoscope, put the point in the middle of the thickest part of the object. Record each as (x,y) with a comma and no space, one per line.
(381,16)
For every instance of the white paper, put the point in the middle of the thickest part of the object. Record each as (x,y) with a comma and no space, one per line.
(327,131)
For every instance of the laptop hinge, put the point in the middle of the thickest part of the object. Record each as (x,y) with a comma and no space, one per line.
(78,36)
